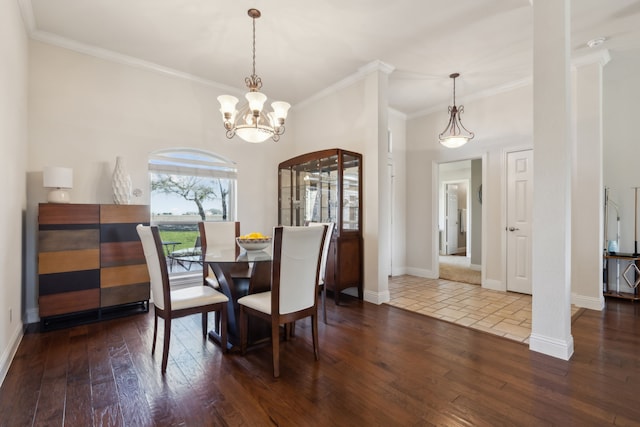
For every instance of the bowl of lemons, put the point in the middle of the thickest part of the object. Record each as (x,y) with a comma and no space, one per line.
(253,241)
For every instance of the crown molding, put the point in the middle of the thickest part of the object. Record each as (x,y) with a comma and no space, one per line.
(26,10)
(507,87)
(376,65)
(601,57)
(109,55)
(28,18)
(397,113)
(362,72)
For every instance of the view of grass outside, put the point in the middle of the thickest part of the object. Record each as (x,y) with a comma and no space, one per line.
(180,245)
(185,238)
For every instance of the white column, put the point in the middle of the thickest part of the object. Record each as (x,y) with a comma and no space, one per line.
(587,215)
(376,184)
(551,257)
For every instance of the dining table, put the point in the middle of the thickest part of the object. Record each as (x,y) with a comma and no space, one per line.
(240,275)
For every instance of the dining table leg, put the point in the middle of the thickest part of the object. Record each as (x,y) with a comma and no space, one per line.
(237,280)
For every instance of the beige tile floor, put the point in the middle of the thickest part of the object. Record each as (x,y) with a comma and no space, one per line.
(506,314)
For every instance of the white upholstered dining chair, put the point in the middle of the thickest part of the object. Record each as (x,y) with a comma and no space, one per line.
(323,264)
(217,236)
(294,287)
(171,304)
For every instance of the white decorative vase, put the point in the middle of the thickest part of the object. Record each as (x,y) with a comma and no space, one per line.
(121,183)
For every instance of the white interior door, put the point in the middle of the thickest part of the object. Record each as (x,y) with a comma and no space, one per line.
(451,217)
(519,211)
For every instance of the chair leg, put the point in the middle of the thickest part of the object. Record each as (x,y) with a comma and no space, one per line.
(223,327)
(165,348)
(314,328)
(243,330)
(323,296)
(291,330)
(155,331)
(216,318)
(275,344)
(205,319)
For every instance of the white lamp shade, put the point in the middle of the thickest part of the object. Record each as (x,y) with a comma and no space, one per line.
(256,100)
(454,141)
(57,177)
(280,109)
(253,134)
(227,103)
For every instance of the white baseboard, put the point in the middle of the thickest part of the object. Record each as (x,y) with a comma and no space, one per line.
(419,272)
(475,267)
(32,316)
(494,285)
(9,353)
(553,347)
(591,303)
(398,271)
(377,297)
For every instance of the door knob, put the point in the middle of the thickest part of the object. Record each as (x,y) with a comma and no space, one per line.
(513,229)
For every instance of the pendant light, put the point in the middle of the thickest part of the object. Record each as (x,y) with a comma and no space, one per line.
(455,135)
(251,122)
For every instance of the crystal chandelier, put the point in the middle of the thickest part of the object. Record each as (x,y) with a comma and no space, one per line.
(455,135)
(251,122)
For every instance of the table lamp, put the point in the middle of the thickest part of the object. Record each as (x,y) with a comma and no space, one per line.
(59,180)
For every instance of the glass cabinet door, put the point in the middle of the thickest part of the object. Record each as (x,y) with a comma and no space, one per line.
(327,203)
(350,192)
(321,187)
(285,200)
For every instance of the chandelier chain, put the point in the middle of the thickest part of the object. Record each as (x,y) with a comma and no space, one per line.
(254,48)
(253,82)
(454,91)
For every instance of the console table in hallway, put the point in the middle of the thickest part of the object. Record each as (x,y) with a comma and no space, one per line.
(631,275)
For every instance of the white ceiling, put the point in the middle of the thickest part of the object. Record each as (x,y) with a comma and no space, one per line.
(305,47)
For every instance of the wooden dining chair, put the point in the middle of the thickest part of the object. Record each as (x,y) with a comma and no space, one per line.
(323,264)
(171,304)
(294,287)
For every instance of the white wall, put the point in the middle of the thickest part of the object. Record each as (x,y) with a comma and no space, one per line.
(13,143)
(398,128)
(85,111)
(476,214)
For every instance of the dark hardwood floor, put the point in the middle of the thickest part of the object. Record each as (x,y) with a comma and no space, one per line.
(379,366)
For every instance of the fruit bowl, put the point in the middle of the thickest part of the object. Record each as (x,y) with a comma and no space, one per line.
(253,244)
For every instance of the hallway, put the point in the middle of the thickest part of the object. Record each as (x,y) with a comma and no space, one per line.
(506,314)
(458,269)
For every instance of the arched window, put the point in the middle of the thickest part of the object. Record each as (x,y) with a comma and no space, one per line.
(188,186)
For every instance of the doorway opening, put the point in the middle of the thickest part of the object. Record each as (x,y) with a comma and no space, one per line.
(459,255)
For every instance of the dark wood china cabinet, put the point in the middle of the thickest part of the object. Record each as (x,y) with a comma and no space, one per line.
(326,186)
